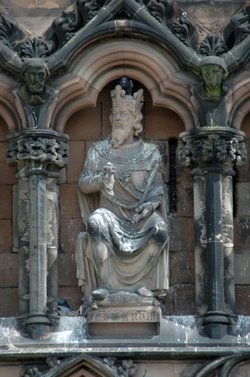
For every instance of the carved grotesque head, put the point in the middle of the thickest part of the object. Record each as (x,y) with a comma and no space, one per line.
(35,73)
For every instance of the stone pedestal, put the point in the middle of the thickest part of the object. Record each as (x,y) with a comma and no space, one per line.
(124,315)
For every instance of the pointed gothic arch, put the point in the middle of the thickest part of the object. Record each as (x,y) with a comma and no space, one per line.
(82,366)
(241,106)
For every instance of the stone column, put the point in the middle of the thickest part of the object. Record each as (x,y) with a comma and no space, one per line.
(39,155)
(212,152)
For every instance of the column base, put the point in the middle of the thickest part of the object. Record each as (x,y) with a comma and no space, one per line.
(215,324)
(38,326)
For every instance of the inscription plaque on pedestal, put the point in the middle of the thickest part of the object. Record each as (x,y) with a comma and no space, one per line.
(119,321)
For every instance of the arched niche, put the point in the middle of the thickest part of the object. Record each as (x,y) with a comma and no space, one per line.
(106,61)
(90,124)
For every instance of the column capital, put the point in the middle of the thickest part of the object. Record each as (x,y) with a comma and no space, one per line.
(37,150)
(207,146)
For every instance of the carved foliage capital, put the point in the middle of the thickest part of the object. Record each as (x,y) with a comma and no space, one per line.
(38,150)
(212,147)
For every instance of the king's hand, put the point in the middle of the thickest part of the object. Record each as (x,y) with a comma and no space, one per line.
(108,178)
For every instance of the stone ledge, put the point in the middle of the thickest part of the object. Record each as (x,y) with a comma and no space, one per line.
(179,335)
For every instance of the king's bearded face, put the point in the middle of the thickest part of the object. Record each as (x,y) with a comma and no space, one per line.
(122,123)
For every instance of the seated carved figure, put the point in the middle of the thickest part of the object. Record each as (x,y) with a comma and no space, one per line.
(121,190)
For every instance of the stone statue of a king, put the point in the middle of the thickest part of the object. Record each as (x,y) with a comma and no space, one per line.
(122,200)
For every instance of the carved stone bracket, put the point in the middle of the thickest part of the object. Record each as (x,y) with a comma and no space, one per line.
(212,153)
(39,155)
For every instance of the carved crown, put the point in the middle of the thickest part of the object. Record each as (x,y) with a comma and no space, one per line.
(120,99)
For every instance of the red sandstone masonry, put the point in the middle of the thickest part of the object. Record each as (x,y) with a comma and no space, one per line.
(184,299)
(7,175)
(73,295)
(6,236)
(76,160)
(242,299)
(69,207)
(6,202)
(162,123)
(69,230)
(85,124)
(182,264)
(67,270)
(9,302)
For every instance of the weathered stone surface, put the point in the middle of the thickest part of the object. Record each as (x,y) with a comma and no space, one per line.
(5,200)
(181,233)
(9,271)
(34,3)
(162,123)
(242,299)
(172,369)
(73,295)
(124,314)
(130,321)
(242,233)
(184,299)
(85,124)
(67,270)
(3,129)
(10,370)
(6,239)
(69,229)
(7,173)
(34,15)
(9,296)
(69,207)
(242,192)
(211,19)
(185,201)
(243,172)
(76,155)
(182,263)
(168,303)
(242,268)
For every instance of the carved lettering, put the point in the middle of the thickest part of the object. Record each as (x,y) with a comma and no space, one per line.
(124,316)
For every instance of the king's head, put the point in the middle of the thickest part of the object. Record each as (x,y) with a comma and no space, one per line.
(121,100)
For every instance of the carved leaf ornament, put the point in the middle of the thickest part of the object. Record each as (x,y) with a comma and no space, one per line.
(213,148)
(42,150)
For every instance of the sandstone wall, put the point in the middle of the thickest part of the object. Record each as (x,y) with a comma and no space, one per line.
(160,126)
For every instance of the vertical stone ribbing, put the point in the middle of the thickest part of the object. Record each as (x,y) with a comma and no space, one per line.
(39,155)
(38,245)
(212,153)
